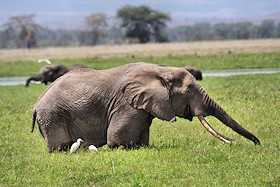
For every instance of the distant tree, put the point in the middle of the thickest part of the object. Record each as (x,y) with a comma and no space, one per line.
(143,23)
(8,38)
(178,33)
(243,30)
(278,31)
(222,30)
(96,22)
(157,20)
(202,31)
(266,29)
(25,28)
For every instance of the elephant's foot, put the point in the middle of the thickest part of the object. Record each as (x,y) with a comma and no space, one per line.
(128,146)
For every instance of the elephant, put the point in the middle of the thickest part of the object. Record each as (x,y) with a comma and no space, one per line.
(117,106)
(76,66)
(48,74)
(51,73)
(195,72)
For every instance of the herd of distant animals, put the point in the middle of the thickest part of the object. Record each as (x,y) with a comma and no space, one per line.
(51,73)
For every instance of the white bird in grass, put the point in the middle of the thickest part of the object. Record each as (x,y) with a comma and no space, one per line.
(44,60)
(93,149)
(76,145)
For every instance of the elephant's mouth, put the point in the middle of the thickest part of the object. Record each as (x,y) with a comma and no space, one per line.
(188,114)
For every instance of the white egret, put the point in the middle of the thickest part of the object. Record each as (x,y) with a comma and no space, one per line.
(76,145)
(93,149)
(44,60)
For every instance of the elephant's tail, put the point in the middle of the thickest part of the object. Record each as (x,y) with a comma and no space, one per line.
(34,115)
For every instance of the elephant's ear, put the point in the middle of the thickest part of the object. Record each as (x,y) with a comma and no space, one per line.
(148,90)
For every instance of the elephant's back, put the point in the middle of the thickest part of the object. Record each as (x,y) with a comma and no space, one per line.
(84,84)
(71,99)
(75,88)
(84,77)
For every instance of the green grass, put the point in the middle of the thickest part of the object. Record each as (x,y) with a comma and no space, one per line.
(204,62)
(180,154)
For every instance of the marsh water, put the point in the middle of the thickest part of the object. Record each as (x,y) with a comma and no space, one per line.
(235,72)
(9,81)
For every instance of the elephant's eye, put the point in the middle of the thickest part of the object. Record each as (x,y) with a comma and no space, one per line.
(190,87)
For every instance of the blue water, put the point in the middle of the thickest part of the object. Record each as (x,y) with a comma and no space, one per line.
(234,72)
(9,81)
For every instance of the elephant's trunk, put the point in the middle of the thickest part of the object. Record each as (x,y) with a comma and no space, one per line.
(219,113)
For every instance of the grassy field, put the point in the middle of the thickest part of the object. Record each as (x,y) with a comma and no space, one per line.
(204,55)
(152,49)
(180,154)
(204,62)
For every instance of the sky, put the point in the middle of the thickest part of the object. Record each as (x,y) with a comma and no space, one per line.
(65,13)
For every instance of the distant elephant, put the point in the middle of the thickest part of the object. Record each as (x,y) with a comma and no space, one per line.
(76,66)
(117,106)
(51,73)
(195,72)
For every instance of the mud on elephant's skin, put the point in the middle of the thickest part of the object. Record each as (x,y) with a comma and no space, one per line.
(51,73)
(117,106)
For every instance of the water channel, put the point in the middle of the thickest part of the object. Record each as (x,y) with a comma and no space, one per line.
(10,81)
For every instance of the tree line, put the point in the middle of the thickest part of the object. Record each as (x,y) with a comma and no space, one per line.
(225,31)
(135,25)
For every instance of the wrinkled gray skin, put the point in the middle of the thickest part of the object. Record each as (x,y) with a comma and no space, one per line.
(51,73)
(117,106)
(195,72)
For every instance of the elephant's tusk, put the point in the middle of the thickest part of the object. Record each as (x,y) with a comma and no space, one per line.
(213,131)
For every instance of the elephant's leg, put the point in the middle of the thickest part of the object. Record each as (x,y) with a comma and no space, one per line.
(129,131)
(58,140)
(144,137)
(55,132)
(122,135)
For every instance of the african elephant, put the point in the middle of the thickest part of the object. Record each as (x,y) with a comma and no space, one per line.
(195,72)
(76,66)
(117,106)
(51,73)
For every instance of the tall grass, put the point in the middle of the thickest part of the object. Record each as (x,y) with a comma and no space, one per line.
(180,154)
(151,49)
